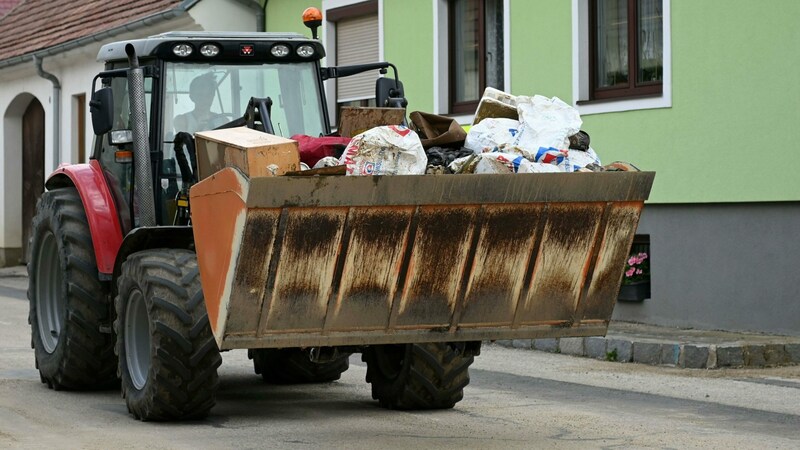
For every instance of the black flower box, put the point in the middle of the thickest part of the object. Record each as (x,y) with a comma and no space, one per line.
(634,292)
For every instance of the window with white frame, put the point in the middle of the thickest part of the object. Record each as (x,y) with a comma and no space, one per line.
(621,55)
(476,51)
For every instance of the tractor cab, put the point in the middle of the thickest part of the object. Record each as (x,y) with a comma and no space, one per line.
(198,81)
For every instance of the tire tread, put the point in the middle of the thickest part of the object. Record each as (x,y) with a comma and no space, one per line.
(182,381)
(431,376)
(84,359)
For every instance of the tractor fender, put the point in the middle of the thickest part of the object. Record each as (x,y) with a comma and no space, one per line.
(145,238)
(101,211)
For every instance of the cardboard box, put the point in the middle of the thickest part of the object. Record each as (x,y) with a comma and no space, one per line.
(255,153)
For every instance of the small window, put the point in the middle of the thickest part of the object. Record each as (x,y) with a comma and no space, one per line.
(626,43)
(79,124)
(476,51)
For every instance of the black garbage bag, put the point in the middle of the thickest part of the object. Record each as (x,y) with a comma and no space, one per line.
(439,156)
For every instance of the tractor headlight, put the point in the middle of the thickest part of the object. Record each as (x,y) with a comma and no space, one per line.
(182,50)
(305,51)
(209,50)
(279,50)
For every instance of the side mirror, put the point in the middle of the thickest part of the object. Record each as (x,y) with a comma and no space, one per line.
(389,93)
(102,109)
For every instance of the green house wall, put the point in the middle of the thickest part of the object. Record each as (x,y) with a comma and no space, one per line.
(732,132)
(287,15)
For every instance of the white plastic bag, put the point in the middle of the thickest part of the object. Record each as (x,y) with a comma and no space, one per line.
(533,167)
(496,163)
(511,163)
(459,165)
(580,159)
(545,122)
(385,150)
(491,134)
(328,161)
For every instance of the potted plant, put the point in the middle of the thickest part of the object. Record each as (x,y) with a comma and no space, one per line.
(636,280)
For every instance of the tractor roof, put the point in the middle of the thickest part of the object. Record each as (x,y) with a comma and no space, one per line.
(233,45)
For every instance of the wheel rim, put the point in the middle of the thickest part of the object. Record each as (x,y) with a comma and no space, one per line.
(50,304)
(137,339)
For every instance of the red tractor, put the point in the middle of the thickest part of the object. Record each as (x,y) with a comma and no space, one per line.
(414,272)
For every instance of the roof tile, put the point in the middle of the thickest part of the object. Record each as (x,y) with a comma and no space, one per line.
(7,5)
(39,24)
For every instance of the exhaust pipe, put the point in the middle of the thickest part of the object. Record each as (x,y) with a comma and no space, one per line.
(143,183)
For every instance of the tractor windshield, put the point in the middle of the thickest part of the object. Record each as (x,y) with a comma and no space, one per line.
(202,97)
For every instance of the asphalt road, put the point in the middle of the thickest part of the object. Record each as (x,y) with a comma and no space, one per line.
(517,399)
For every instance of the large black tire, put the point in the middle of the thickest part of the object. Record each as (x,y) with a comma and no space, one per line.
(168,357)
(419,376)
(293,366)
(68,303)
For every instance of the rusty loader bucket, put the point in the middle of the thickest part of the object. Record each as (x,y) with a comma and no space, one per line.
(327,261)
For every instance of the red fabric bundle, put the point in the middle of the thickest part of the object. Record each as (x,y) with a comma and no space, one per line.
(312,149)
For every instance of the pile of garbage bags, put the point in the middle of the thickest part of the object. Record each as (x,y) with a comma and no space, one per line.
(510,134)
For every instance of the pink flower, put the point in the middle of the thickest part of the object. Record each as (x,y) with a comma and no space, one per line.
(632,261)
(629,273)
(638,271)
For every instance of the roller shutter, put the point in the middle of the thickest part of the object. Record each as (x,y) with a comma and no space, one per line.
(357,43)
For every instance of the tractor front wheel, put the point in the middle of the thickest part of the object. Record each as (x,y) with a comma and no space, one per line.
(168,358)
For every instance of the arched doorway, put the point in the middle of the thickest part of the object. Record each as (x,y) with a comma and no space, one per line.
(32,167)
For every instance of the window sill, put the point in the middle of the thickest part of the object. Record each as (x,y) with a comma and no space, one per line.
(617,99)
(588,107)
(462,119)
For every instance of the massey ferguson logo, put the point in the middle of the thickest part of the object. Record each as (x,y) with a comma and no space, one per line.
(247,50)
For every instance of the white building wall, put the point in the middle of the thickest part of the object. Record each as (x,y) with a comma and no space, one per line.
(75,70)
(15,96)
(224,15)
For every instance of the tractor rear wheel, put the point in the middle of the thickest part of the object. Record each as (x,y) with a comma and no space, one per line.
(68,303)
(293,366)
(419,376)
(168,357)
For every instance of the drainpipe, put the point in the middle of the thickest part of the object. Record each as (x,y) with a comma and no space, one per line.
(56,108)
(261,13)
(261,17)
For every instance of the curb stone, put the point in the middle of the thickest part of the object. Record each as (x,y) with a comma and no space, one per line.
(792,352)
(774,355)
(522,343)
(670,354)
(754,355)
(682,355)
(693,357)
(730,356)
(546,345)
(572,346)
(646,353)
(596,347)
(623,348)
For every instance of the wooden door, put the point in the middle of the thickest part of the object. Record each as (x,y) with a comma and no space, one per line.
(32,167)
